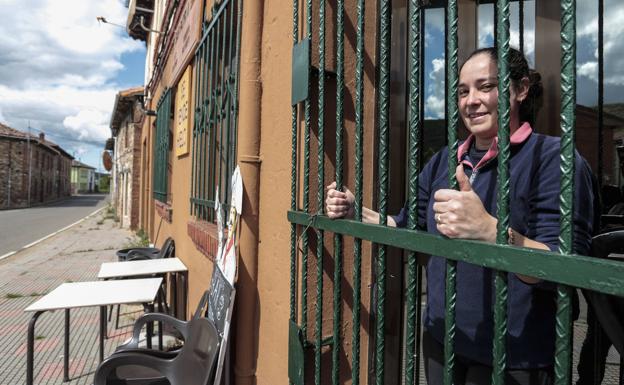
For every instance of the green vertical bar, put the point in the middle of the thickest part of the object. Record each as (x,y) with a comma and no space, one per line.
(195,122)
(384,123)
(221,97)
(306,190)
(214,178)
(230,151)
(208,127)
(293,184)
(500,281)
(359,176)
(452,119)
(563,346)
(600,93)
(414,154)
(521,25)
(339,182)
(320,195)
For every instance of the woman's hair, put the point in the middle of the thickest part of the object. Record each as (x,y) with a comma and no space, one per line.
(518,69)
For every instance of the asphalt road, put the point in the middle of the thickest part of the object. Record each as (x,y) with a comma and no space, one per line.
(21,227)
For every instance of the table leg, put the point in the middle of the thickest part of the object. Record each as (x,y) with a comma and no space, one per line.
(174,286)
(149,328)
(66,349)
(30,347)
(102,331)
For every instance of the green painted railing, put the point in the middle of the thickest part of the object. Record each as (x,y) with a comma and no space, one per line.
(216,109)
(307,220)
(162,146)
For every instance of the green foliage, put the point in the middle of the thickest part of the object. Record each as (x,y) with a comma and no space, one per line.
(141,240)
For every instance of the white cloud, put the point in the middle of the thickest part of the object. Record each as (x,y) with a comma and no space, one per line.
(58,67)
(613,45)
(434,104)
(88,124)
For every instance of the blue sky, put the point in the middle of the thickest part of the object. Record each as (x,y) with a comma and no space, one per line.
(60,70)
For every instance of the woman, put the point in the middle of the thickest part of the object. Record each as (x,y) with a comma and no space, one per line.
(470,214)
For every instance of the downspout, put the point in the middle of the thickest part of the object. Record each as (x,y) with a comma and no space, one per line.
(249,120)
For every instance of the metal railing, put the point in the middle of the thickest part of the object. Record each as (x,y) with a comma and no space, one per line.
(162,146)
(216,109)
(307,220)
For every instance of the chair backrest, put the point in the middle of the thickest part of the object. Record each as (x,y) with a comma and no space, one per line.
(194,365)
(167,250)
(609,309)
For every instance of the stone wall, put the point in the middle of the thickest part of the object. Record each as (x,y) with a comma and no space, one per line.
(49,174)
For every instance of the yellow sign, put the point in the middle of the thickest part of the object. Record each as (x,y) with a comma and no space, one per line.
(183,113)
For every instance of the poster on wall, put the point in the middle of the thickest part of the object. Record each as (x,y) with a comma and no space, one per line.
(183,113)
(227,254)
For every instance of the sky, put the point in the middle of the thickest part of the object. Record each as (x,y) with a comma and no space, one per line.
(60,70)
(587,54)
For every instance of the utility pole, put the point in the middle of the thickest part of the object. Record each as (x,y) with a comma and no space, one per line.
(29,163)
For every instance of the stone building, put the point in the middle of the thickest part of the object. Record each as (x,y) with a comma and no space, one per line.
(33,170)
(126,121)
(82,177)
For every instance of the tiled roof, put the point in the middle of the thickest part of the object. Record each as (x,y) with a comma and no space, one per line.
(8,132)
(76,163)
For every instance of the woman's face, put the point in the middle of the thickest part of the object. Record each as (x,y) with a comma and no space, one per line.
(478,97)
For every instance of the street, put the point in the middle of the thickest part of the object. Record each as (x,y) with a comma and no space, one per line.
(20,227)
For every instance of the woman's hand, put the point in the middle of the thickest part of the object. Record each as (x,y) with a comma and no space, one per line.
(339,204)
(460,214)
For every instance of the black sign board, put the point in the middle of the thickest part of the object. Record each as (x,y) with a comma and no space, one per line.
(221,296)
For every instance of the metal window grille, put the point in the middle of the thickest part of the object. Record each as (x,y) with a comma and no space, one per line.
(308,225)
(216,109)
(162,145)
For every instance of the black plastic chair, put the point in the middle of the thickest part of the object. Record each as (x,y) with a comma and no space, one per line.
(142,253)
(608,310)
(180,327)
(132,254)
(193,365)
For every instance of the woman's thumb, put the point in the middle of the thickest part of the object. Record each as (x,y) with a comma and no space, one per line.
(462,179)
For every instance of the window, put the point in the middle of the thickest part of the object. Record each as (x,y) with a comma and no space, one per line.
(216,106)
(161,146)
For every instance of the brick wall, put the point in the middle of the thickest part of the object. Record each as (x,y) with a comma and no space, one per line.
(49,174)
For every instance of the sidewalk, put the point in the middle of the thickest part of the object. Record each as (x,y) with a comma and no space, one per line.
(76,255)
(72,255)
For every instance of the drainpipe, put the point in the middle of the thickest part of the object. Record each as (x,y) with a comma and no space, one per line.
(247,297)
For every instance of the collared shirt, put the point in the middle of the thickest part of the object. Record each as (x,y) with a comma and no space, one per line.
(534,212)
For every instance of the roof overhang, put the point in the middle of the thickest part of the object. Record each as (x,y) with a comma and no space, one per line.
(140,14)
(123,106)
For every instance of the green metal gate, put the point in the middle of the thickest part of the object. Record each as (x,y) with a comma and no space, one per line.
(162,144)
(216,108)
(308,222)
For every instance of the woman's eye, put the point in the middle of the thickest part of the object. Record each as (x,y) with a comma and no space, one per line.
(462,92)
(488,87)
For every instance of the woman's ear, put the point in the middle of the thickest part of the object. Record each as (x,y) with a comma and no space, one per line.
(522,89)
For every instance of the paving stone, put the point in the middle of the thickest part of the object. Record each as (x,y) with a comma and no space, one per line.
(73,255)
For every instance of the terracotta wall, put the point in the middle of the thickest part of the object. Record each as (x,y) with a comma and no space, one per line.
(265,284)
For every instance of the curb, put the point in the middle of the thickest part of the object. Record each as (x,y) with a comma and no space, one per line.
(31,244)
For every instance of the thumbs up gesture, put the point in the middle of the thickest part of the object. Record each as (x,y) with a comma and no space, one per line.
(460,213)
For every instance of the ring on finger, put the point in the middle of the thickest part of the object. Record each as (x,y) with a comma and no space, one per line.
(438,219)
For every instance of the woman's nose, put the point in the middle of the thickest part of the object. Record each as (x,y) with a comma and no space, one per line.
(472,98)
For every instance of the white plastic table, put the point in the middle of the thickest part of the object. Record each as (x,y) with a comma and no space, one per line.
(86,294)
(143,267)
(147,267)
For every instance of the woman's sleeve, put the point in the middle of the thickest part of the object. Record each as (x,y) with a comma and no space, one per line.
(424,186)
(544,216)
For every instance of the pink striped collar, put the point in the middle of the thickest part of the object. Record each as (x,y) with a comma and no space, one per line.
(519,136)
